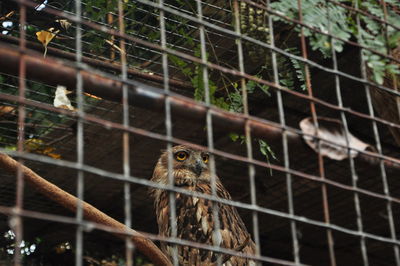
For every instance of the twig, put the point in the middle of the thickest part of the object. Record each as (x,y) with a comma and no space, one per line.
(68,201)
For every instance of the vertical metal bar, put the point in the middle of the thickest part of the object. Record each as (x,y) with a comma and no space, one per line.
(324,190)
(389,53)
(354,175)
(79,145)
(378,144)
(293,227)
(129,248)
(16,222)
(168,127)
(210,138)
(110,22)
(249,147)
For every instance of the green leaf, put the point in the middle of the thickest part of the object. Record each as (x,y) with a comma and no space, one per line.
(234,136)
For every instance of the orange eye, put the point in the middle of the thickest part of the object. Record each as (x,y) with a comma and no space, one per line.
(205,158)
(181,156)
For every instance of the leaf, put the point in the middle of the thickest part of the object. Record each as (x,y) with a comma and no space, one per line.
(92,96)
(45,37)
(333,138)
(54,155)
(39,147)
(5,109)
(234,136)
(8,15)
(33,144)
(266,150)
(64,23)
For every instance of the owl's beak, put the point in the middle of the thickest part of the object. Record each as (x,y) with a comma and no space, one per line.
(198,168)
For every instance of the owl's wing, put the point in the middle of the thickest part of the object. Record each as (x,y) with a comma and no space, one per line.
(196,222)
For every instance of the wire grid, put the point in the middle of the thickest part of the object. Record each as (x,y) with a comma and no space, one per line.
(153,56)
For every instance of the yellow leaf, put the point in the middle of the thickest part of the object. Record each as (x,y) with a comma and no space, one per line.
(54,155)
(47,150)
(39,147)
(5,109)
(33,144)
(45,37)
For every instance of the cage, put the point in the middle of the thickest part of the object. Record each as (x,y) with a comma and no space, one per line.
(296,103)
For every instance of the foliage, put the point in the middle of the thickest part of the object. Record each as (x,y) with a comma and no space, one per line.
(372,36)
(342,23)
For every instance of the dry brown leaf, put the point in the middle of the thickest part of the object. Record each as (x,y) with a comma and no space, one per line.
(5,109)
(64,23)
(333,131)
(9,14)
(115,46)
(92,96)
(39,147)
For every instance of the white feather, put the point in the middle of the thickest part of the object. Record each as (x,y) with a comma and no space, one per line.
(198,214)
(61,100)
(195,200)
(204,225)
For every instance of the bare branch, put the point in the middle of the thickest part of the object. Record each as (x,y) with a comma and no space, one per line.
(68,201)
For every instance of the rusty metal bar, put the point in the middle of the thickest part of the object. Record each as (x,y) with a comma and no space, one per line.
(324,190)
(54,72)
(136,234)
(354,175)
(80,180)
(16,222)
(141,181)
(232,71)
(383,174)
(146,133)
(98,63)
(126,140)
(248,136)
(285,148)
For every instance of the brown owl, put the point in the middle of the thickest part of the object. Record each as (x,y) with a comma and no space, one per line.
(195,221)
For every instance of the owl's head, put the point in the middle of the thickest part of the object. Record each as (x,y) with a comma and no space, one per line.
(188,165)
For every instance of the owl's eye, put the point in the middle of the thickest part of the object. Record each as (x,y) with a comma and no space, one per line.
(205,158)
(181,156)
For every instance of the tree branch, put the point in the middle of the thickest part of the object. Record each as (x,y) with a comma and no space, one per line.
(68,201)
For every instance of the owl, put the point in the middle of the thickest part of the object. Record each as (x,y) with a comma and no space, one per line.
(195,219)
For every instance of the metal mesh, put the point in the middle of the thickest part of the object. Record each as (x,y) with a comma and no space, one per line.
(232,78)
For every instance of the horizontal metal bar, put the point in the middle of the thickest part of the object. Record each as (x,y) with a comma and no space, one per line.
(237,204)
(233,71)
(89,226)
(96,62)
(149,134)
(56,72)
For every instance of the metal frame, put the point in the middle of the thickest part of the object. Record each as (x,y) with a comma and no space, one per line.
(82,75)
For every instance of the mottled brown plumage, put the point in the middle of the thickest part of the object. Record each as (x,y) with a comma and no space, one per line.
(195,221)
